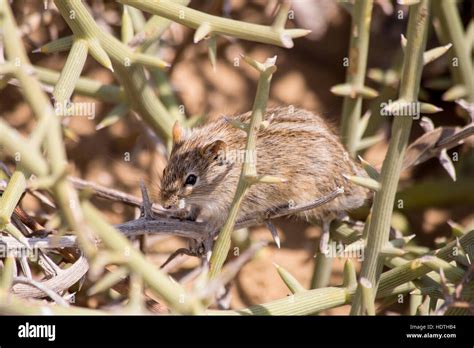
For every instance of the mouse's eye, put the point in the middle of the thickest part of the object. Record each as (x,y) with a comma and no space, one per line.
(190,180)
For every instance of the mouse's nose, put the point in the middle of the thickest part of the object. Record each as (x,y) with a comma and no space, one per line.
(167,206)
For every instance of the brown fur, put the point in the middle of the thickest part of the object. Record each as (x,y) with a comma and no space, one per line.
(297,146)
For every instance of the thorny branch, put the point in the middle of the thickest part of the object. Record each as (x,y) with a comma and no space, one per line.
(169,225)
(197,231)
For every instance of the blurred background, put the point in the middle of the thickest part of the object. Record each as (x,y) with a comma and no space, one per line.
(304,78)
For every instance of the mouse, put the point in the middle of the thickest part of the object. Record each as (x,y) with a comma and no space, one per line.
(297,145)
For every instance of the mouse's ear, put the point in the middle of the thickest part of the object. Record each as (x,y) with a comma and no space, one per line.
(214,150)
(178,133)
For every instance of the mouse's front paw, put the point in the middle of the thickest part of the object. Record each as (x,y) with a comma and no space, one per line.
(184,214)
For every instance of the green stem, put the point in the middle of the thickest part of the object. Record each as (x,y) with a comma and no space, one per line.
(224,26)
(352,107)
(130,74)
(170,291)
(388,92)
(29,156)
(447,13)
(152,31)
(393,282)
(12,195)
(42,109)
(154,28)
(406,271)
(249,171)
(71,72)
(322,271)
(383,205)
(301,303)
(14,306)
(84,86)
(166,94)
(355,76)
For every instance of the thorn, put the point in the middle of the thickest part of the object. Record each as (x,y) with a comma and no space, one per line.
(269,179)
(427,124)
(367,92)
(366,182)
(290,281)
(447,164)
(454,93)
(456,228)
(435,53)
(427,108)
(458,244)
(286,40)
(390,251)
(264,125)
(180,251)
(343,90)
(236,124)
(369,169)
(172,279)
(37,50)
(146,204)
(365,283)
(364,120)
(324,239)
(202,31)
(212,51)
(305,32)
(469,107)
(442,276)
(269,62)
(274,233)
(407,2)
(369,141)
(403,41)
